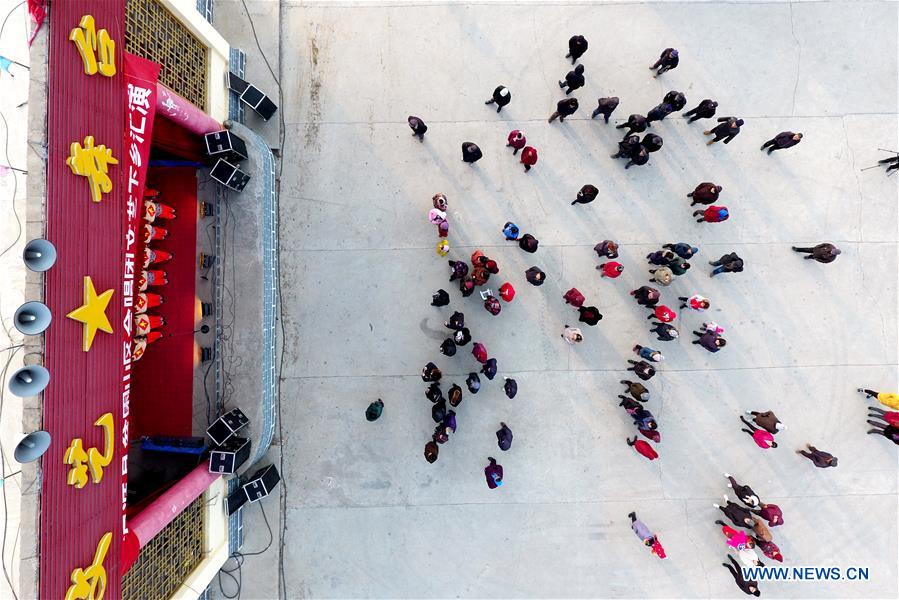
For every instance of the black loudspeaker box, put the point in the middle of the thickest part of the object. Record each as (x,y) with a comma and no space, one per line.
(229,175)
(261,483)
(228,457)
(224,144)
(227,425)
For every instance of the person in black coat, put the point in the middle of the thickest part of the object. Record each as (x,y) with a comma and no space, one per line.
(634,124)
(440,298)
(668,60)
(605,107)
(652,142)
(577,45)
(535,276)
(501,97)
(676,99)
(666,332)
(564,108)
(726,130)
(528,243)
(658,113)
(504,437)
(471,153)
(586,195)
(627,147)
(640,157)
(418,127)
(782,141)
(589,315)
(574,79)
(642,369)
(739,516)
(751,587)
(729,263)
(704,110)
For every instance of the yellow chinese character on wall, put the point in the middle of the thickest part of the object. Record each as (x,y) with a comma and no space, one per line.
(92,162)
(76,457)
(90,583)
(96,48)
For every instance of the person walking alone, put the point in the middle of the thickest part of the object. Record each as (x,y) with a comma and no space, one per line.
(823,253)
(668,60)
(564,108)
(572,335)
(471,153)
(705,193)
(821,459)
(418,127)
(726,130)
(782,141)
(729,263)
(605,107)
(493,473)
(586,195)
(501,97)
(374,410)
(704,110)
(573,79)
(577,45)
(528,157)
(535,276)
(504,437)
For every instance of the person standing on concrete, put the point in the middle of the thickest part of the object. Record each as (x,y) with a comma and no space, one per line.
(761,530)
(606,248)
(662,276)
(646,296)
(660,258)
(634,124)
(726,130)
(535,276)
(528,243)
(745,493)
(589,315)
(456,321)
(685,251)
(710,340)
(738,515)
(458,269)
(627,147)
(890,432)
(713,214)
(678,266)
(658,113)
(479,352)
(821,459)
(374,410)
(418,127)
(493,473)
(454,395)
(471,153)
(636,389)
(729,263)
(823,253)
(448,347)
(586,195)
(605,107)
(652,142)
(574,80)
(574,297)
(885,398)
(782,141)
(769,549)
(510,231)
(572,335)
(705,193)
(489,368)
(762,438)
(510,387)
(438,410)
(676,99)
(516,140)
(749,587)
(564,108)
(648,353)
(440,298)
(431,373)
(642,447)
(704,110)
(473,383)
(695,302)
(577,45)
(501,97)
(642,369)
(528,157)
(431,451)
(462,337)
(771,513)
(662,313)
(668,60)
(504,437)
(611,269)
(650,539)
(665,332)
(767,420)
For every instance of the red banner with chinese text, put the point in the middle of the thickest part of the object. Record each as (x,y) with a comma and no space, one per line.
(140,108)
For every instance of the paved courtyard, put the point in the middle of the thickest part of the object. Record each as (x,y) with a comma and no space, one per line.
(366,515)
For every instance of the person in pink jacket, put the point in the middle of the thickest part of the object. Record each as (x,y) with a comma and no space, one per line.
(763,439)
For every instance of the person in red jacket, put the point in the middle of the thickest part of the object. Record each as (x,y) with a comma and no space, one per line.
(663,314)
(643,448)
(516,140)
(528,157)
(611,269)
(713,214)
(771,513)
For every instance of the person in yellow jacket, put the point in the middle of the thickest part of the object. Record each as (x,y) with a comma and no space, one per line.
(891,400)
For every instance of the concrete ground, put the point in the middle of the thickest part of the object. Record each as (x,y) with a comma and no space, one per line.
(366,515)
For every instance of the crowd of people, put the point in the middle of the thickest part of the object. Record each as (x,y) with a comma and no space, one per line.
(665,265)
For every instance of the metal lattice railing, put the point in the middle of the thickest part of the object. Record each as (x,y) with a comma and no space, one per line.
(168,559)
(153,33)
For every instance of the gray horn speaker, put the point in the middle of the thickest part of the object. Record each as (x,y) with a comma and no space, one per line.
(32,447)
(32,318)
(39,255)
(29,381)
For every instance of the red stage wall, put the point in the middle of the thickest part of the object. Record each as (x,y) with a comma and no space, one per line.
(162,382)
